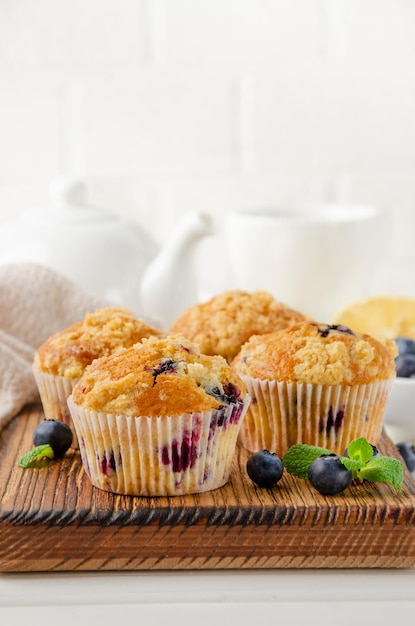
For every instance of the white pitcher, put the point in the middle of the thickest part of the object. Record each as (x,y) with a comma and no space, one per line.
(315,258)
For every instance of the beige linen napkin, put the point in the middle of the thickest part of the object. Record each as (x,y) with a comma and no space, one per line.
(35,302)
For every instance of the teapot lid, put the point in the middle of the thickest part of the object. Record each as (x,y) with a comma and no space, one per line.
(67,203)
(67,191)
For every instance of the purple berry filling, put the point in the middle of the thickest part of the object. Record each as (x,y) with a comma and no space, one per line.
(166,366)
(333,421)
(231,393)
(107,464)
(181,455)
(221,415)
(236,413)
(339,327)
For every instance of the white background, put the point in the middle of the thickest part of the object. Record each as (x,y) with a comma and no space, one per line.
(163,106)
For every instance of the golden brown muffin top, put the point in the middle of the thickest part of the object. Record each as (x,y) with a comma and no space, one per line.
(228,320)
(322,354)
(159,376)
(68,352)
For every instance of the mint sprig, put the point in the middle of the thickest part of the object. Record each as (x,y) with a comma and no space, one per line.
(299,457)
(40,456)
(360,461)
(383,469)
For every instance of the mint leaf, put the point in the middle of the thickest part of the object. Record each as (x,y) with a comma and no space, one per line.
(299,457)
(40,456)
(351,464)
(360,450)
(383,469)
(360,461)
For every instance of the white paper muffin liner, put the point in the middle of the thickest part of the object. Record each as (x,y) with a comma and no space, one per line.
(54,392)
(283,414)
(158,456)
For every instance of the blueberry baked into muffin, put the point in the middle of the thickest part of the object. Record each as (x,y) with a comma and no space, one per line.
(159,418)
(313,383)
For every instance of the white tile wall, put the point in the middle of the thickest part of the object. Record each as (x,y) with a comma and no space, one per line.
(160,130)
(70,32)
(29,133)
(164,106)
(380,26)
(206,31)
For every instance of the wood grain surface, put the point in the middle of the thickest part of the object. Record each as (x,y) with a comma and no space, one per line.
(53,519)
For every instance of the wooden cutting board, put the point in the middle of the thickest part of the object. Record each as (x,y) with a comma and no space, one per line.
(52,519)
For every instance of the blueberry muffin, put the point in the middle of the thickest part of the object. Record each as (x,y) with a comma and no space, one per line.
(61,360)
(159,418)
(316,384)
(228,320)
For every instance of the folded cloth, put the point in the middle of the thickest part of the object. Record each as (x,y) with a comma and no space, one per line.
(35,303)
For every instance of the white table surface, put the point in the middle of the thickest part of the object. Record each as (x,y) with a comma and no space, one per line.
(239,598)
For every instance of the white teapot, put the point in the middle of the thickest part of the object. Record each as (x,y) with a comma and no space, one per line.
(107,255)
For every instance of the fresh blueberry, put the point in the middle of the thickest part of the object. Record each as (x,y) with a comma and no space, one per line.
(328,475)
(407,452)
(55,433)
(405,365)
(264,468)
(405,345)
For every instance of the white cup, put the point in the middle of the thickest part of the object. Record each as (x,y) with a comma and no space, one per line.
(315,258)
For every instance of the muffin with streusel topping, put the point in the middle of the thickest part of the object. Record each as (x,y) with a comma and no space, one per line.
(313,383)
(159,418)
(229,319)
(61,360)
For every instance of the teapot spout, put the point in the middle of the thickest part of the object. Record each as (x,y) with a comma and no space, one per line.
(169,283)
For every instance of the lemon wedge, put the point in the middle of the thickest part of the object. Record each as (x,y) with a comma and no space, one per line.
(380,316)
